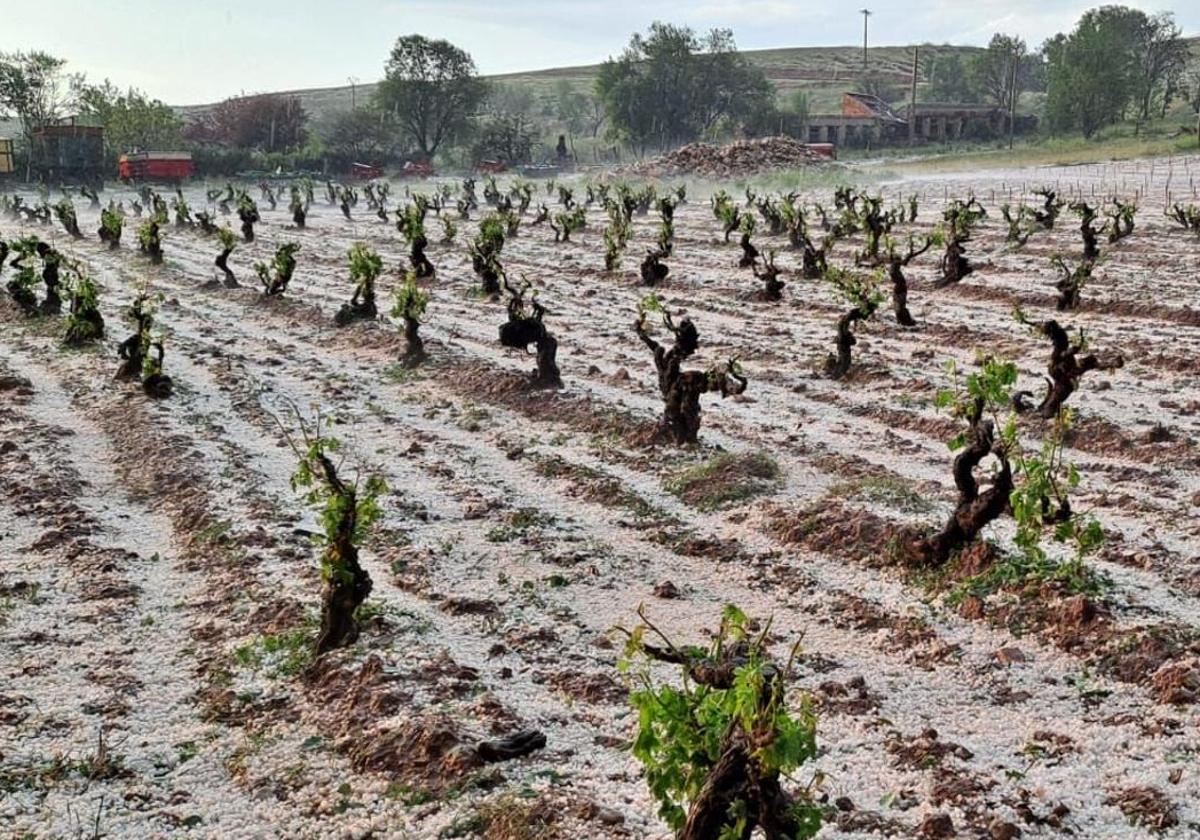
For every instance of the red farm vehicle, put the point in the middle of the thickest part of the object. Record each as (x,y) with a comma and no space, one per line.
(827,150)
(417,169)
(491,167)
(365,172)
(168,167)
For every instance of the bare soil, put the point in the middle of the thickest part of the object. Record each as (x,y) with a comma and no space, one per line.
(159,585)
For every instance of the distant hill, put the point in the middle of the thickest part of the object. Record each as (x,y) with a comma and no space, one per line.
(824,72)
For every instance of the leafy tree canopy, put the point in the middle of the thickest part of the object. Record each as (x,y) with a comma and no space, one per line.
(131,119)
(1115,58)
(363,135)
(672,86)
(433,89)
(35,88)
(268,122)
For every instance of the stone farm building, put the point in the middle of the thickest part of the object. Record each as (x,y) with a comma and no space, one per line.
(867,120)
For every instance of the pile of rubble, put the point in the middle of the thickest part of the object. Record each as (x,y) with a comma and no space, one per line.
(745,157)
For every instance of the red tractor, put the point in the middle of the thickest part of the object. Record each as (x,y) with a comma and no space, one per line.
(168,167)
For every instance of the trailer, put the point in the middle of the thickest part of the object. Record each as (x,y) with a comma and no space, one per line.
(168,167)
(68,153)
(365,172)
(540,170)
(278,174)
(827,150)
(491,167)
(417,169)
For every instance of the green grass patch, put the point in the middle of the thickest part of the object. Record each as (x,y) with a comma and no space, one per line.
(517,524)
(408,796)
(372,610)
(215,533)
(1117,143)
(282,654)
(400,374)
(466,825)
(20,592)
(827,177)
(186,751)
(471,417)
(729,478)
(599,487)
(1017,572)
(882,490)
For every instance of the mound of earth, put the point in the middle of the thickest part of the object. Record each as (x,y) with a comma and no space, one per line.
(744,157)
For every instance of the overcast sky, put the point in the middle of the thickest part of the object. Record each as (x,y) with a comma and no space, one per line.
(194,51)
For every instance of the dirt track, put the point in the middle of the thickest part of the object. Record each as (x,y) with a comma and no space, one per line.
(147,548)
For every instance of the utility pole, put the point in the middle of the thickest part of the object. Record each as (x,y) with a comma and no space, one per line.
(1012,99)
(353,80)
(866,13)
(912,99)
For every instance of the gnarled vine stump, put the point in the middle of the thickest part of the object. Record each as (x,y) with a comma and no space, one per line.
(653,269)
(414,346)
(896,263)
(1066,368)
(772,288)
(975,508)
(681,390)
(524,328)
(347,584)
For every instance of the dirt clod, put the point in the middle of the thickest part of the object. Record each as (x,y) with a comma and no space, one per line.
(666,589)
(937,826)
(1145,806)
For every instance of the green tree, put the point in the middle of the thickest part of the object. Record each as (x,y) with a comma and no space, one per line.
(1190,86)
(1033,72)
(596,115)
(270,122)
(35,89)
(433,90)
(992,73)
(506,137)
(672,86)
(365,134)
(771,118)
(1093,71)
(581,112)
(130,119)
(1161,57)
(506,132)
(948,79)
(794,113)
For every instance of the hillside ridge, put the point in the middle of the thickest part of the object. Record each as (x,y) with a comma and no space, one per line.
(788,67)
